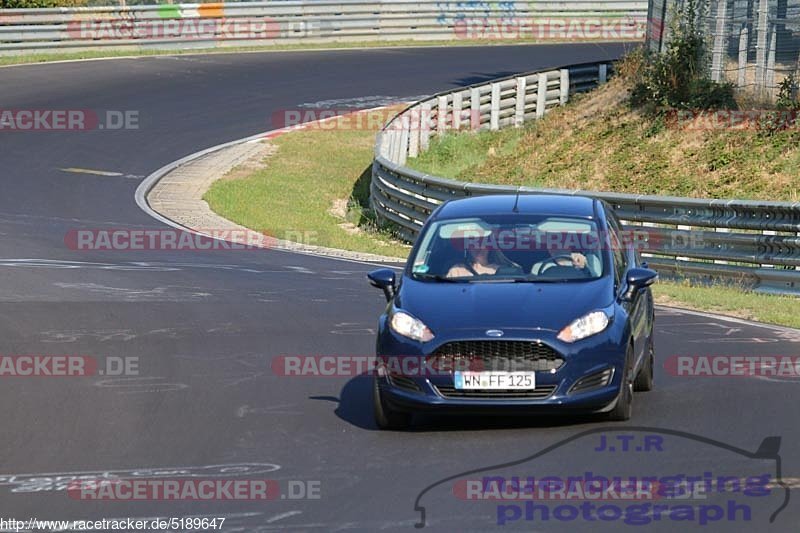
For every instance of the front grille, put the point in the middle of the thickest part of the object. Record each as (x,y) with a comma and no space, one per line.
(496,355)
(595,381)
(404,382)
(539,393)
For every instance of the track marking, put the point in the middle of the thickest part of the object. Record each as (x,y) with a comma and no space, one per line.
(786,333)
(362,102)
(106,173)
(283,515)
(152,180)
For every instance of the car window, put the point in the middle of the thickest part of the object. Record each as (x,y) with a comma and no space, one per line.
(510,248)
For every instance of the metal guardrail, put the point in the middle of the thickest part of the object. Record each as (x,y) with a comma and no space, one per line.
(746,242)
(296,21)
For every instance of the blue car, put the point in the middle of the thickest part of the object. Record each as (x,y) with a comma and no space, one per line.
(515,304)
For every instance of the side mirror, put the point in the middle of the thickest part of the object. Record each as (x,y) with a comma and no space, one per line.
(638,279)
(383,279)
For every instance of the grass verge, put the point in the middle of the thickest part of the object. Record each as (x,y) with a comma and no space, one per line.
(599,143)
(766,308)
(313,171)
(317,184)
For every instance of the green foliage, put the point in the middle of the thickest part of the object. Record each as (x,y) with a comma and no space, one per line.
(784,116)
(676,78)
(788,94)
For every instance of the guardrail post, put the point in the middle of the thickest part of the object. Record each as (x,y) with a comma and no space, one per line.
(541,94)
(404,138)
(390,152)
(386,145)
(718,230)
(768,232)
(425,126)
(441,116)
(475,108)
(414,129)
(494,121)
(564,98)
(602,73)
(686,228)
(519,108)
(397,137)
(742,74)
(458,102)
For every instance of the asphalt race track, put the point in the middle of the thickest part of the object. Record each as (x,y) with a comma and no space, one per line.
(207,325)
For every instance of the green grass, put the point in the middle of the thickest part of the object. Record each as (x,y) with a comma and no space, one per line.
(781,310)
(297,188)
(453,155)
(598,143)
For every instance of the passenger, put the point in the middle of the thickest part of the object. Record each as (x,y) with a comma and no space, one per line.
(479,264)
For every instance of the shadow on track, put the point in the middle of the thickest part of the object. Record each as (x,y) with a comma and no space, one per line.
(354,406)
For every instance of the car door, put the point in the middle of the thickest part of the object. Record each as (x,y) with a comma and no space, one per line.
(637,308)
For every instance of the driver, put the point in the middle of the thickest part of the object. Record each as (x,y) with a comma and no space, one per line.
(562,257)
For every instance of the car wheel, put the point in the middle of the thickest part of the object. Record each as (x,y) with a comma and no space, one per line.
(644,380)
(623,409)
(385,416)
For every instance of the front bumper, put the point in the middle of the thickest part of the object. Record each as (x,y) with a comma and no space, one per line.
(425,391)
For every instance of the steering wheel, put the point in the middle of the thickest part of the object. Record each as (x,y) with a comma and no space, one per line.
(555,261)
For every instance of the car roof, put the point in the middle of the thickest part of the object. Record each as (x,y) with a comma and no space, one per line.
(530,204)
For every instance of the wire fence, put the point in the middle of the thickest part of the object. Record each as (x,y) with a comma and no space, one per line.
(754,44)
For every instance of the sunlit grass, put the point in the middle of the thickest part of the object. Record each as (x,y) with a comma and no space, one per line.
(297,188)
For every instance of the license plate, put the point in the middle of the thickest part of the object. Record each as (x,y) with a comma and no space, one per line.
(495,380)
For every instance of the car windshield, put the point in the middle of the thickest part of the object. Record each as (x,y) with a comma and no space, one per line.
(510,248)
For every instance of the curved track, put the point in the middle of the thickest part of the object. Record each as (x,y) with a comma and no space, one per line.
(206,326)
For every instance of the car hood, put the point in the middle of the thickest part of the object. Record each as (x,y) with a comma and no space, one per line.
(549,306)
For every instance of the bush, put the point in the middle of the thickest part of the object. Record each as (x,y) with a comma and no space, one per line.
(677,78)
(788,94)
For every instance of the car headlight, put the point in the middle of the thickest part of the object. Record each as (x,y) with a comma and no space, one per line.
(406,325)
(585,326)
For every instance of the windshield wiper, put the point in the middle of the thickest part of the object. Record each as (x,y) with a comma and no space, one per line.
(438,277)
(541,280)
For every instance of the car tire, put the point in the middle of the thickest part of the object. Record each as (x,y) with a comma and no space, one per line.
(644,380)
(624,407)
(386,417)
